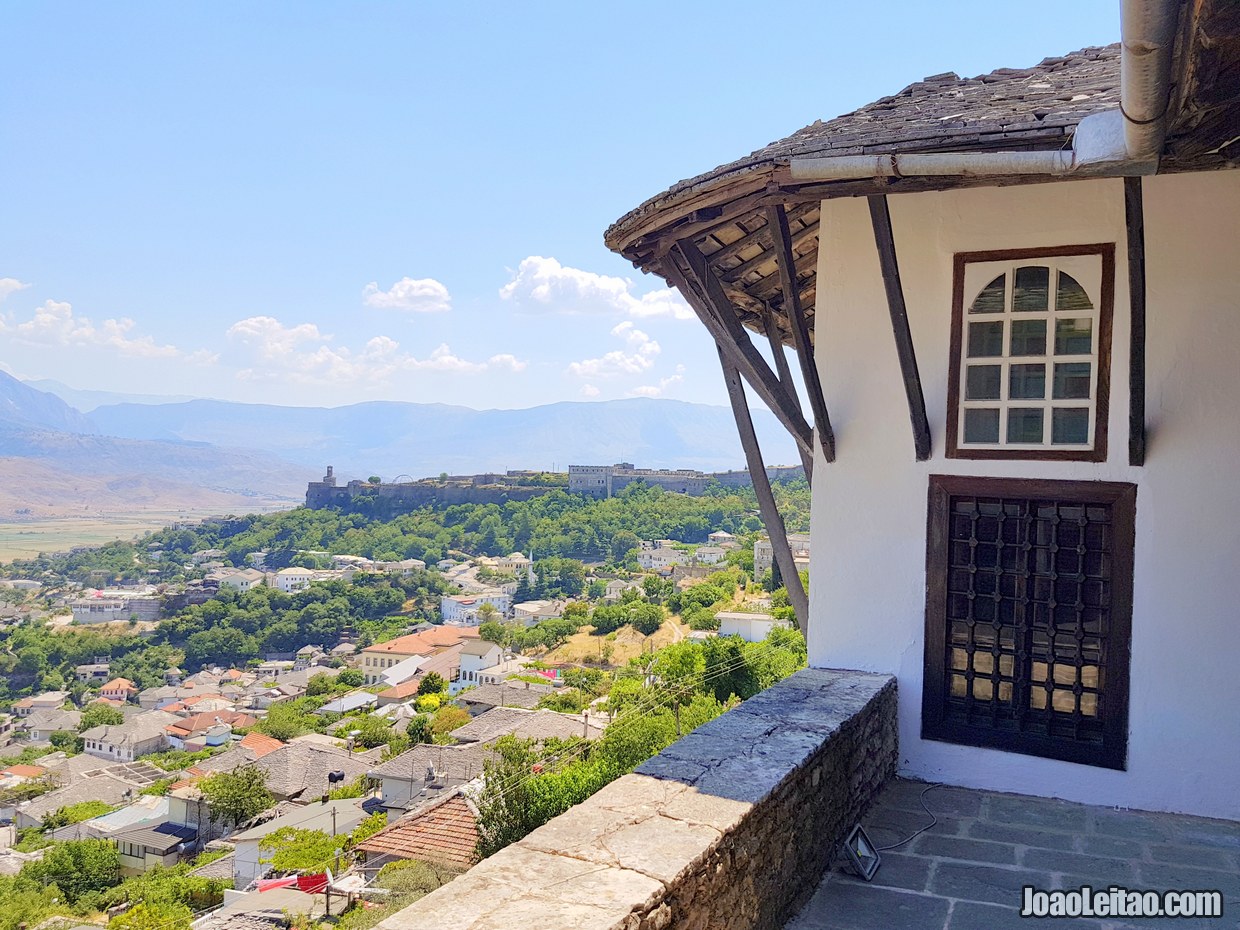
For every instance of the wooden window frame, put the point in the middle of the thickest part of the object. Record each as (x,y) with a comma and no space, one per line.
(1106,306)
(1121,496)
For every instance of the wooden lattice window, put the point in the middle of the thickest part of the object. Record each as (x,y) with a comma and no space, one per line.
(1031,345)
(1028,616)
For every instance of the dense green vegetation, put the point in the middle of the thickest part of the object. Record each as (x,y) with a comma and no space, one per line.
(654,701)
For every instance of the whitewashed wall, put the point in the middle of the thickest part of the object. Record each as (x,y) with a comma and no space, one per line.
(869,508)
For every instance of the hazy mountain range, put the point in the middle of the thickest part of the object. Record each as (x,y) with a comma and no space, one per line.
(165,448)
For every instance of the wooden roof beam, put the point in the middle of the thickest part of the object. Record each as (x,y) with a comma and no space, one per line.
(880,218)
(777,219)
(705,295)
(771,517)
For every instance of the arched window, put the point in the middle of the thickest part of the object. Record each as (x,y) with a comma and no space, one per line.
(1030,354)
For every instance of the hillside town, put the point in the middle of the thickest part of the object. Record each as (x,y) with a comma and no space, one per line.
(386,738)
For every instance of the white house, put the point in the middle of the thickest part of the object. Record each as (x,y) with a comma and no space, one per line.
(293,579)
(762,553)
(661,558)
(476,655)
(723,539)
(530,612)
(709,555)
(136,737)
(1025,504)
(753,628)
(462,609)
(617,586)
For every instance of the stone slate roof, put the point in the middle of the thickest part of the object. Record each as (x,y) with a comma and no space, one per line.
(1009,108)
(301,768)
(524,724)
(518,694)
(445,832)
(461,763)
(217,868)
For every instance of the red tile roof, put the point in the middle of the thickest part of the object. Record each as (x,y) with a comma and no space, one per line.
(200,722)
(25,771)
(405,690)
(437,637)
(260,744)
(444,833)
(119,684)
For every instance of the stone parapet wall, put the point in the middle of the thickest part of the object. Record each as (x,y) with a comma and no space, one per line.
(730,827)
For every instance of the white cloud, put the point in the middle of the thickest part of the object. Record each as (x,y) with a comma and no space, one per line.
(419,295)
(303,354)
(589,390)
(55,324)
(620,362)
(9,286)
(571,290)
(655,390)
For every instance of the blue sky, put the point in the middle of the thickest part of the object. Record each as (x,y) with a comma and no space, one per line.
(312,203)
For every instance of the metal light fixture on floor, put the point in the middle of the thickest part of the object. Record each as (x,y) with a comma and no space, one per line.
(862,854)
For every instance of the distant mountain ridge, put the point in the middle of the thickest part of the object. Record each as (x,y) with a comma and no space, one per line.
(391,438)
(271,451)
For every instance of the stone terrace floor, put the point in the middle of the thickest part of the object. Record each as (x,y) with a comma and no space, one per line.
(966,872)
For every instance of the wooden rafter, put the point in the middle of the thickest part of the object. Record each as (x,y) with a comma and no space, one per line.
(880,217)
(777,219)
(1134,217)
(761,235)
(715,310)
(771,517)
(800,237)
(778,353)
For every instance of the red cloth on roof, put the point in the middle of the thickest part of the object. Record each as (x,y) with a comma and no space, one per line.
(312,884)
(269,884)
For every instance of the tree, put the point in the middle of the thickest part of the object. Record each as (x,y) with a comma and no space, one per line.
(488,613)
(66,741)
(419,729)
(368,731)
(284,722)
(75,813)
(432,683)
(100,714)
(237,796)
(77,868)
(352,677)
(151,915)
(493,632)
(448,718)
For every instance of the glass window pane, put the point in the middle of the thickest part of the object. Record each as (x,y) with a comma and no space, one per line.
(981,425)
(1031,289)
(1070,295)
(1070,426)
(982,382)
(990,300)
(1029,336)
(1027,382)
(1024,424)
(1071,381)
(1073,337)
(985,340)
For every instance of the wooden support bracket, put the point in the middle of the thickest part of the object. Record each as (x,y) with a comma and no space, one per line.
(880,217)
(771,517)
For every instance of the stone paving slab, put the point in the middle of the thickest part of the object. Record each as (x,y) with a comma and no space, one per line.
(967,870)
